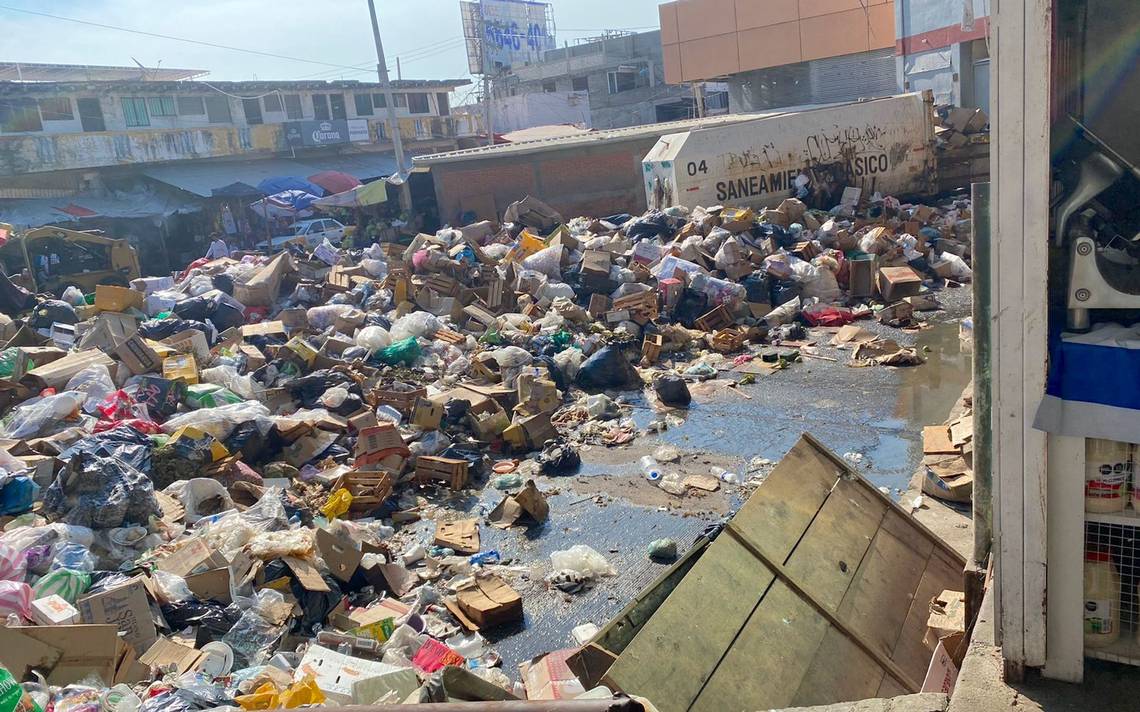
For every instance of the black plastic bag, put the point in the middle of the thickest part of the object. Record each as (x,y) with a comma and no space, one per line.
(247,439)
(608,368)
(50,311)
(214,616)
(159,329)
(559,458)
(223,283)
(121,442)
(194,308)
(13,298)
(101,493)
(226,316)
(309,388)
(672,390)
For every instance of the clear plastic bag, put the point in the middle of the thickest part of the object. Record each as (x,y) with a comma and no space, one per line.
(220,422)
(255,634)
(291,542)
(375,268)
(420,324)
(29,419)
(322,317)
(569,361)
(547,261)
(171,588)
(74,296)
(74,557)
(582,559)
(95,381)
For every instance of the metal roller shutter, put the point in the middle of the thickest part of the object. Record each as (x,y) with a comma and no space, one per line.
(853,76)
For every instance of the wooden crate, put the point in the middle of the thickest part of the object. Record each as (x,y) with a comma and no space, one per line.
(441,469)
(651,348)
(728,340)
(369,489)
(716,318)
(449,336)
(402,401)
(642,306)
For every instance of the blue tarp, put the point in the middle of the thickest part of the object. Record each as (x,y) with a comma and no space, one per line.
(277,184)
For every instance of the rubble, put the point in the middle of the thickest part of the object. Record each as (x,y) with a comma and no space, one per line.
(225,465)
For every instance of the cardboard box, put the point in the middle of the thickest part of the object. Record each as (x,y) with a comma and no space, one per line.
(337,674)
(379,438)
(117,299)
(138,356)
(31,357)
(160,395)
(485,602)
(64,653)
(898,282)
(262,289)
(109,330)
(181,367)
(548,677)
(190,341)
(54,610)
(194,557)
(293,318)
(341,554)
(125,607)
(57,373)
(426,414)
(212,585)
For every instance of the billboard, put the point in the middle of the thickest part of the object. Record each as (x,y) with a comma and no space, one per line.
(326,133)
(504,33)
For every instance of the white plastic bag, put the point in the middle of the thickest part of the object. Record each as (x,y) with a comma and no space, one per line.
(373,338)
(220,422)
(73,296)
(583,560)
(322,317)
(419,324)
(548,261)
(201,497)
(568,361)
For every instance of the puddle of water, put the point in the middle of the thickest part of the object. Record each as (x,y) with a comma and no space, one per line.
(927,393)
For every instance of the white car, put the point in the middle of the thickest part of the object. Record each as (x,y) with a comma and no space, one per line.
(313,232)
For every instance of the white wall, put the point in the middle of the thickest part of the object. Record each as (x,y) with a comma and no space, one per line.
(541,109)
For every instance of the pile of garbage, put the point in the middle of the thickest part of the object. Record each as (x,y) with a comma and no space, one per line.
(208,478)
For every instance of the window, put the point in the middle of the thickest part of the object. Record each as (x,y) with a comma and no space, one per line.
(401,100)
(380,101)
(134,111)
(443,104)
(218,110)
(56,109)
(549,87)
(580,84)
(191,106)
(418,104)
(336,103)
(321,107)
(252,109)
(161,106)
(293,110)
(90,114)
(20,115)
(622,81)
(272,102)
(363,104)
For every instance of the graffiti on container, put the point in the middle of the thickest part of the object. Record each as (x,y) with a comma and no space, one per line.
(853,151)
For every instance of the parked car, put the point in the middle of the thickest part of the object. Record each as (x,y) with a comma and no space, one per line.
(313,232)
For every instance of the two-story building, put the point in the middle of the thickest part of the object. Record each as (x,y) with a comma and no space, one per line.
(608,83)
(154,151)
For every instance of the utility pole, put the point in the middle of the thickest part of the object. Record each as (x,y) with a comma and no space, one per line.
(390,102)
(399,72)
(487,109)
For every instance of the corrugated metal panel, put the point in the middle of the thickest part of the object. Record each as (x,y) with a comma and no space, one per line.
(201,178)
(853,76)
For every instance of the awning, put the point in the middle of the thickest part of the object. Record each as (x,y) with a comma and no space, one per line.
(359,197)
(335,181)
(34,212)
(204,177)
(278,184)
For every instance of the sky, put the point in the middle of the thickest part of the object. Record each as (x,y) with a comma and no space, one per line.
(425,34)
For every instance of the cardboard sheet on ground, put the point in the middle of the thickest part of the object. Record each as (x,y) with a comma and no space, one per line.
(461,535)
(528,506)
(816,592)
(485,602)
(936,441)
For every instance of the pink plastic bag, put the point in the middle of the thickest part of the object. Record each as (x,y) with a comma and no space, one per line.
(15,597)
(13,563)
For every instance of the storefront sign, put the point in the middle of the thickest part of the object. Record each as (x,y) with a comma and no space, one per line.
(326,133)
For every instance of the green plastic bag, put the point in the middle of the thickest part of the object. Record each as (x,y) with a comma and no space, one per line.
(210,395)
(13,698)
(8,362)
(401,352)
(67,584)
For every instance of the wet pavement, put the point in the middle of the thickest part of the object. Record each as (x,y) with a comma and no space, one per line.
(876,414)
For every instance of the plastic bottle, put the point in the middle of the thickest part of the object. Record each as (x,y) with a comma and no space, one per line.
(1102,599)
(650,468)
(1108,468)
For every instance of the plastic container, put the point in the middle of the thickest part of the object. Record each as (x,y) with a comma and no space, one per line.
(1108,469)
(650,468)
(1102,599)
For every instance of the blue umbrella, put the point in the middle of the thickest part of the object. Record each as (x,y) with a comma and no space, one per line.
(277,184)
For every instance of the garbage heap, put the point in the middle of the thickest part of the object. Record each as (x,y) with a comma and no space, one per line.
(207,477)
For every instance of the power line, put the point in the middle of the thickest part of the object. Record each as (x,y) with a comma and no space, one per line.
(417,53)
(172,37)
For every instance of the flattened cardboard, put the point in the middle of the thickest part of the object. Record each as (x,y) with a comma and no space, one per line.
(341,555)
(127,608)
(461,535)
(192,558)
(165,653)
(117,299)
(263,328)
(307,574)
(190,341)
(212,585)
(57,373)
(936,441)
